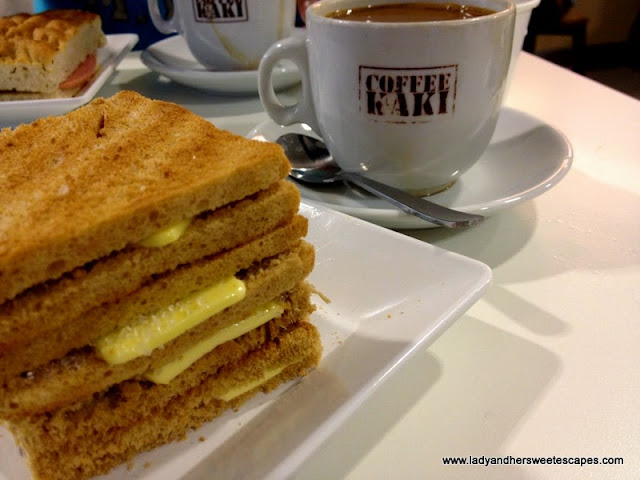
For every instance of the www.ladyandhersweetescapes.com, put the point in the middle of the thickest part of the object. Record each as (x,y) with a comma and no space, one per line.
(549,460)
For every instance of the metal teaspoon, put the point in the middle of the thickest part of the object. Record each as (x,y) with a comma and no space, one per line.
(312,163)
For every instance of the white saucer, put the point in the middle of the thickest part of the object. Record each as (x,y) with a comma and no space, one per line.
(15,112)
(525,158)
(172,58)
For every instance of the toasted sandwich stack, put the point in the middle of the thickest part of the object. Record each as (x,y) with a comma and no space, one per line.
(48,55)
(152,275)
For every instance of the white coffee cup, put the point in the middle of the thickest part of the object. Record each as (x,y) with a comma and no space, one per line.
(410,104)
(228,34)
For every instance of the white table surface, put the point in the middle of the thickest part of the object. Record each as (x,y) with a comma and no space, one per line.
(548,362)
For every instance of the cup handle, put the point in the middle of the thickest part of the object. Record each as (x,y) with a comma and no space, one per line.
(169,25)
(294,49)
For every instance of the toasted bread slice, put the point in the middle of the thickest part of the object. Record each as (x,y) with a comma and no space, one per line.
(80,441)
(38,52)
(78,187)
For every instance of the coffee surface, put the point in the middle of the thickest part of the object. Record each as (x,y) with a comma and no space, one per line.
(410,12)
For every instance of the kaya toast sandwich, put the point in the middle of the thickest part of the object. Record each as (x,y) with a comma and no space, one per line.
(152,275)
(48,55)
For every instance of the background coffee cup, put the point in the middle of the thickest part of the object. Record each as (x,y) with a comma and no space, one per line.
(357,78)
(228,34)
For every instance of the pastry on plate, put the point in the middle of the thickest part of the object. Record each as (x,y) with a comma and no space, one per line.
(48,55)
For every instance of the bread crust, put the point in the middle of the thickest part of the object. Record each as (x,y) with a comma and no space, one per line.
(38,52)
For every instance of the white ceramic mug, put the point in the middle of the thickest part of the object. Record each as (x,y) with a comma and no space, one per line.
(410,104)
(228,34)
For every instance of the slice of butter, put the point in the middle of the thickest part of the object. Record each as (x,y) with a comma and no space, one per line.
(244,388)
(149,332)
(169,371)
(167,235)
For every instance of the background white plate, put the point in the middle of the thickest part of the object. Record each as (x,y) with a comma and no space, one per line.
(390,296)
(172,58)
(525,158)
(13,113)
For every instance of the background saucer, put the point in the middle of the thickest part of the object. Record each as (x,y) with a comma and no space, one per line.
(525,158)
(172,58)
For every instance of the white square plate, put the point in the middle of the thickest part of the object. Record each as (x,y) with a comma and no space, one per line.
(389,296)
(13,113)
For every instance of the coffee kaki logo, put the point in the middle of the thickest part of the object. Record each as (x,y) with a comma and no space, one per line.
(407,95)
(220,11)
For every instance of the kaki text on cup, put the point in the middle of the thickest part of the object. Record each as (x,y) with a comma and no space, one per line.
(416,93)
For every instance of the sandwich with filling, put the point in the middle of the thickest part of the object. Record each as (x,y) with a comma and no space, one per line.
(152,276)
(48,55)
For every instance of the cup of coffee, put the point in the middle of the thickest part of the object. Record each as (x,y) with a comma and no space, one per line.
(227,34)
(405,92)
